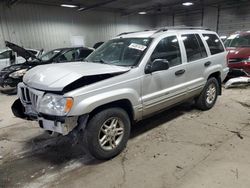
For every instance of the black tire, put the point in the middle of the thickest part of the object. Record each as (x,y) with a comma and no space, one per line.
(93,133)
(202,101)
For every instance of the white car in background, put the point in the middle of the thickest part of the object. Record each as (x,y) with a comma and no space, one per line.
(8,57)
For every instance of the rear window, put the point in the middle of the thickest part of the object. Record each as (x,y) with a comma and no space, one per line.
(213,43)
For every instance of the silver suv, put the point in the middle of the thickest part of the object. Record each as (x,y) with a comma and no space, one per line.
(127,79)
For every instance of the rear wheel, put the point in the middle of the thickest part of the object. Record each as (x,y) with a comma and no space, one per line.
(107,133)
(209,95)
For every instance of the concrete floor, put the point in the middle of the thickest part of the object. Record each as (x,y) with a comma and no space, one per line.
(179,148)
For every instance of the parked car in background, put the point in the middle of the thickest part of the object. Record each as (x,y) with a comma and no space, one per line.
(238,46)
(127,79)
(9,57)
(97,45)
(12,75)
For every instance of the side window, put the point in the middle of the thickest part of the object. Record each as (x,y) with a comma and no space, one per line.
(169,49)
(193,49)
(213,43)
(5,55)
(203,49)
(68,56)
(82,54)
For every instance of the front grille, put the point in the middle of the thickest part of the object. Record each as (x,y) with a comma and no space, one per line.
(28,97)
(235,60)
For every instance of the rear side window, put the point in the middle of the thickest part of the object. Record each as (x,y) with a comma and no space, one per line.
(195,50)
(169,49)
(213,43)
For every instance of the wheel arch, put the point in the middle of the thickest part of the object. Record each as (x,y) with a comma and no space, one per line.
(125,104)
(217,76)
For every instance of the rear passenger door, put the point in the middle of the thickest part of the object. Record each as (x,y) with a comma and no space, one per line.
(197,60)
(167,87)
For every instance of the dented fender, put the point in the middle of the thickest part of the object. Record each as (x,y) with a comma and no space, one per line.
(88,104)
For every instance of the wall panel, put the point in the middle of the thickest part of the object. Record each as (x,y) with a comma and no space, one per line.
(48,27)
(234,19)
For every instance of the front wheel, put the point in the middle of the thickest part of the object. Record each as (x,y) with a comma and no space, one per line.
(107,133)
(209,95)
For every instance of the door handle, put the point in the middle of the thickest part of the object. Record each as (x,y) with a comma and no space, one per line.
(207,64)
(180,72)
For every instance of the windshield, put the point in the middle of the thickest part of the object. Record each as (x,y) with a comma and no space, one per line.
(121,52)
(238,41)
(47,56)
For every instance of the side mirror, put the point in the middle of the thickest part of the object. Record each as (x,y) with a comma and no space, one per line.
(157,65)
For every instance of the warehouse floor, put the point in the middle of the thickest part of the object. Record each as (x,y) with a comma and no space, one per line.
(182,147)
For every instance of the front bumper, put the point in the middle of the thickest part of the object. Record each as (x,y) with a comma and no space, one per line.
(7,84)
(62,125)
(241,65)
(7,88)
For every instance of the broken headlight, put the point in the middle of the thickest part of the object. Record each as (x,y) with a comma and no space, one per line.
(55,105)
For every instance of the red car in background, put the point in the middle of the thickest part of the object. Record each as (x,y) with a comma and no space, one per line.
(238,46)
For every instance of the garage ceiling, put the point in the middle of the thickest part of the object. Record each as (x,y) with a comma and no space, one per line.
(134,6)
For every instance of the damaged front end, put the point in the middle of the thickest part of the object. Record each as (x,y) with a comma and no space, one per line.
(241,80)
(43,94)
(62,125)
(26,107)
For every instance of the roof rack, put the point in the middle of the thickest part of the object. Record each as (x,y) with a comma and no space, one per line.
(181,28)
(126,33)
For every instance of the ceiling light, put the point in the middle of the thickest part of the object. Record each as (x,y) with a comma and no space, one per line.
(187,4)
(68,6)
(142,13)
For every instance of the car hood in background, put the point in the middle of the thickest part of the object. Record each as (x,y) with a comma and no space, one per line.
(20,51)
(243,52)
(55,77)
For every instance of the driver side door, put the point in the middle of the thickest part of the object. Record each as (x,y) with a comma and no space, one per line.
(164,88)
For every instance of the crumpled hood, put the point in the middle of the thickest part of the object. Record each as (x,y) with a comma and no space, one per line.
(55,77)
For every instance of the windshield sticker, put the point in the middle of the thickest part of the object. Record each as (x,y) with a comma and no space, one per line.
(137,46)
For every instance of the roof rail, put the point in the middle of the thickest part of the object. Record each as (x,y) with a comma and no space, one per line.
(180,28)
(126,33)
